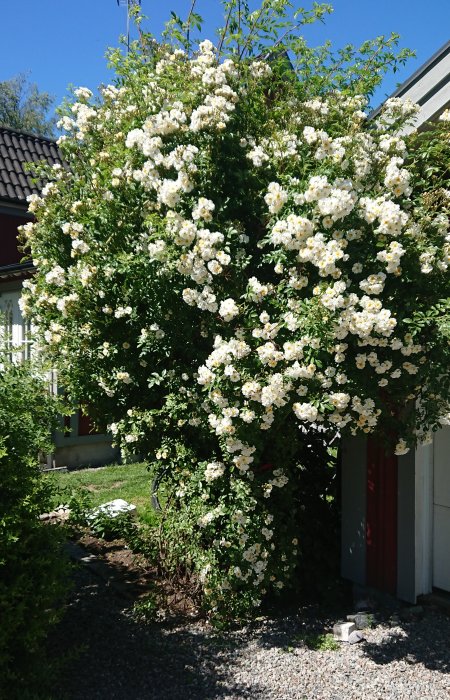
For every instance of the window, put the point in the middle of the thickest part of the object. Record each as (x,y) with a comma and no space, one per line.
(16,332)
(8,326)
(27,342)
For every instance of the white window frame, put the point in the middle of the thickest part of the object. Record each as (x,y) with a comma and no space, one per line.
(14,329)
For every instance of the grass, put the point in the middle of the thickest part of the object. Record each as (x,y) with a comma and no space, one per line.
(132,482)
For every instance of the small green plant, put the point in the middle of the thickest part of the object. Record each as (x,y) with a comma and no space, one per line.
(146,609)
(108,527)
(143,540)
(319,642)
(371,621)
(78,501)
(101,523)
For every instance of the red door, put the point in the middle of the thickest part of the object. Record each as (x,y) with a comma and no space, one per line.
(381,513)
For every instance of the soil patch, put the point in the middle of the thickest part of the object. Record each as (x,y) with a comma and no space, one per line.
(136,578)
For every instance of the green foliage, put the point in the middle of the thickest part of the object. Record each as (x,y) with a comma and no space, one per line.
(100,523)
(146,608)
(319,641)
(33,571)
(309,507)
(110,527)
(275,29)
(24,107)
(219,276)
(78,501)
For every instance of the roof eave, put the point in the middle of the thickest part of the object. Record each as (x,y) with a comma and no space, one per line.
(422,70)
(17,270)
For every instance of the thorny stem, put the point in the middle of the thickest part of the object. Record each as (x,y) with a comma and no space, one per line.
(188,22)
(250,34)
(278,41)
(225,29)
(382,45)
(239,25)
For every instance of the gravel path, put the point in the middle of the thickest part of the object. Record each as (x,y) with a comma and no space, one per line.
(116,658)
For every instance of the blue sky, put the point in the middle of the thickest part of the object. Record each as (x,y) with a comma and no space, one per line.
(64,41)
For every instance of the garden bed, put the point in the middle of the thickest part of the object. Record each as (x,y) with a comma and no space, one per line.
(134,578)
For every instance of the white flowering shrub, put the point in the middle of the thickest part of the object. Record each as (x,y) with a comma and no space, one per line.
(232,257)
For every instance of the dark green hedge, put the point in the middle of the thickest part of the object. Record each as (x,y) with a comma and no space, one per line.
(33,571)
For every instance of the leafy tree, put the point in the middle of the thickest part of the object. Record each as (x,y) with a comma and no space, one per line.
(24,107)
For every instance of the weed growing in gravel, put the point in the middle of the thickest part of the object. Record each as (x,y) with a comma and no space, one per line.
(315,642)
(147,609)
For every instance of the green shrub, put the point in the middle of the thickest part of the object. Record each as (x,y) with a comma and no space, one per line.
(110,527)
(32,567)
(78,501)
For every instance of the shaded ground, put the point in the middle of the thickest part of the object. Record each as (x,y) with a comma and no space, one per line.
(112,656)
(118,658)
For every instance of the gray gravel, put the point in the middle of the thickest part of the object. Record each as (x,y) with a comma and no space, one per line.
(115,658)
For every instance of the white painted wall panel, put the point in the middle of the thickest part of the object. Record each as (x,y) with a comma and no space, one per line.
(441,510)
(441,558)
(442,468)
(429,78)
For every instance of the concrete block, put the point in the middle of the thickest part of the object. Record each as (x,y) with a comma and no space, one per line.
(342,630)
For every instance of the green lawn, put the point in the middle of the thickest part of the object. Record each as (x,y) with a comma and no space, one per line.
(132,482)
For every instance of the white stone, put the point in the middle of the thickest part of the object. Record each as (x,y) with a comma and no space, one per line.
(112,509)
(343,630)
